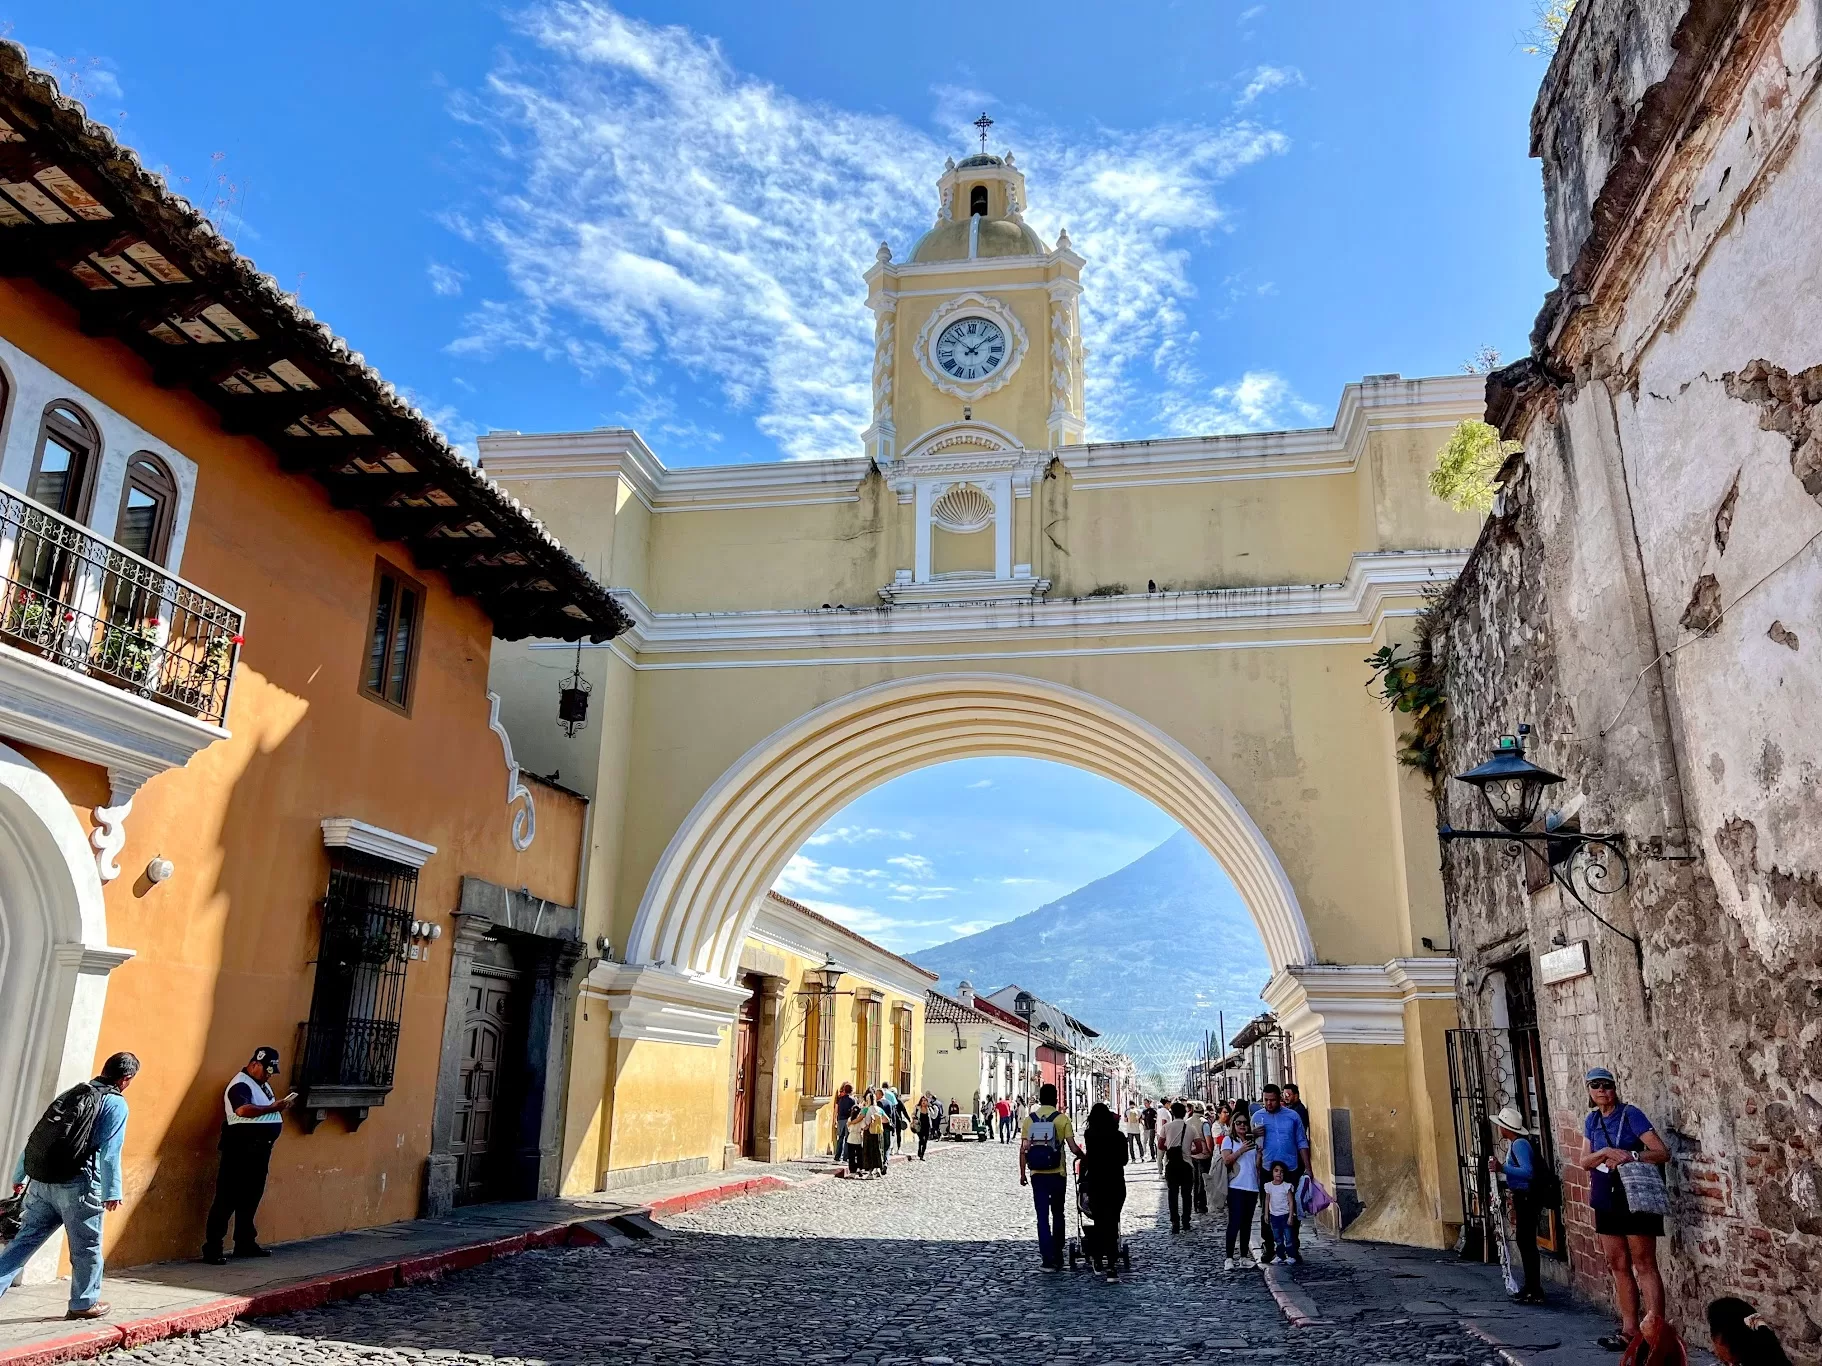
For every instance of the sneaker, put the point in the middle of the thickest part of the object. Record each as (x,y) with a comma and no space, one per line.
(1113,1278)
(214,1256)
(1296,1259)
(1052,1266)
(96,1310)
(1228,1265)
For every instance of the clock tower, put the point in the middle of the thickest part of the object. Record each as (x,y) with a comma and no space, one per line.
(977,378)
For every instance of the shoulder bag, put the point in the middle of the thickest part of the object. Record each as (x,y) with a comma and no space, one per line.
(1646,1190)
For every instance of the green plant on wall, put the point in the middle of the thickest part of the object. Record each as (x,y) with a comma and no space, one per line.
(1411,685)
(1463,477)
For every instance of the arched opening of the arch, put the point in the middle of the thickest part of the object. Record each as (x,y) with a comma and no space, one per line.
(1000,874)
(703,894)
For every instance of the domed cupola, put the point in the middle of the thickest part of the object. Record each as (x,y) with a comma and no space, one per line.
(980,212)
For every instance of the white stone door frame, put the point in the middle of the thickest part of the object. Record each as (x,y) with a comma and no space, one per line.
(54,956)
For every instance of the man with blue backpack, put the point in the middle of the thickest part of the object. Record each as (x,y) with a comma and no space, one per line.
(72,1160)
(1047,1137)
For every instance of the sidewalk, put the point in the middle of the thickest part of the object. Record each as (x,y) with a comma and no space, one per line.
(1345,1281)
(167,1298)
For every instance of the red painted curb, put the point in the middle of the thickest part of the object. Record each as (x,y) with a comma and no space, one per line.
(198,1318)
(714,1195)
(86,1342)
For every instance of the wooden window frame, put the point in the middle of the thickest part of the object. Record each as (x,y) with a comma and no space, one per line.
(83,431)
(818,1078)
(384,569)
(902,1024)
(150,475)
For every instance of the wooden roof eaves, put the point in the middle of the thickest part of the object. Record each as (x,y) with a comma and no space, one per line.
(42,114)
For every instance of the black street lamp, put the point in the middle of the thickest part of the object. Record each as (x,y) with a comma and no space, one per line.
(1513,788)
(1023,1005)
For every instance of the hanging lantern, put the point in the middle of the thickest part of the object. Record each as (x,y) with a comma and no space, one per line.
(572,699)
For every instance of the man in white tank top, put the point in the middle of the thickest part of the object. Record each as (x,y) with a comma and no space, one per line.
(252,1119)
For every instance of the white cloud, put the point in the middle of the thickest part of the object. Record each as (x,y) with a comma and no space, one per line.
(672,213)
(1266,79)
(81,78)
(1020,881)
(984,782)
(855,834)
(462,433)
(444,280)
(1258,401)
(915,864)
(966,927)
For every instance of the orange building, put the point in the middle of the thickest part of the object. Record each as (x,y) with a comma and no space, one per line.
(251,788)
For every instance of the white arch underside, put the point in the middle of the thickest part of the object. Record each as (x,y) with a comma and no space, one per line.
(701,899)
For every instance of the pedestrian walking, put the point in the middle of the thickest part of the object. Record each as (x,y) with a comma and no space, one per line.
(1132,1129)
(844,1111)
(1240,1155)
(926,1125)
(1280,1204)
(1524,1181)
(1282,1138)
(1046,1136)
(856,1130)
(1201,1153)
(1741,1336)
(1149,1117)
(873,1134)
(252,1119)
(1293,1100)
(1619,1136)
(1103,1176)
(70,1174)
(1179,1170)
(1003,1109)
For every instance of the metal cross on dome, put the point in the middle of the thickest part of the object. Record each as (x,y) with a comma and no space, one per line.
(983,123)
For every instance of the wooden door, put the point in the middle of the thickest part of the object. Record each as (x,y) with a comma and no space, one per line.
(746,1073)
(480,1133)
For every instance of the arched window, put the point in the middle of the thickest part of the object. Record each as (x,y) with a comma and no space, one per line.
(63,466)
(977,201)
(148,506)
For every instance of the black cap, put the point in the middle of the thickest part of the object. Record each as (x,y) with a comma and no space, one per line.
(266,1057)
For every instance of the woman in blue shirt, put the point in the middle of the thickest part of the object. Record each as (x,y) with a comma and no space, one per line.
(1520,1173)
(1617,1134)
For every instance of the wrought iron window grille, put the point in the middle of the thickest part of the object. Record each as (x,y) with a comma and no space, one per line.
(348,1050)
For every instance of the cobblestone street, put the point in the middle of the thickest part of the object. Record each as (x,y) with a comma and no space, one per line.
(936,1264)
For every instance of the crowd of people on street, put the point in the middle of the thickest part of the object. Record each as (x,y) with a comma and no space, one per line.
(1250,1161)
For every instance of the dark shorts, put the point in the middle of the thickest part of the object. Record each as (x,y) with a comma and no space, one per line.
(1623,1223)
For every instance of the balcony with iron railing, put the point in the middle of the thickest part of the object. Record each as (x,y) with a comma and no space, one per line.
(92,608)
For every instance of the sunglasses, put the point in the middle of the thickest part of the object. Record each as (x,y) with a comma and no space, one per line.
(1600,1086)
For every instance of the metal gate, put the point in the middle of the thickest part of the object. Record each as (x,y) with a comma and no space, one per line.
(1490,1069)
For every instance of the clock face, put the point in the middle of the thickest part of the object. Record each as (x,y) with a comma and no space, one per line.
(970,349)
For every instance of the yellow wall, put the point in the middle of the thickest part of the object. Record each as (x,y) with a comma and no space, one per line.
(223,949)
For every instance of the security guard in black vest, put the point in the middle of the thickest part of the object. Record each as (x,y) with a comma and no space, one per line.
(252,1119)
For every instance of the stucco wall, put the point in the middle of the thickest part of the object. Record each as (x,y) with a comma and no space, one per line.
(224,948)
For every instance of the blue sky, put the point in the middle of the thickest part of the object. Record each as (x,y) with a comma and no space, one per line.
(556,216)
(562,216)
(951,849)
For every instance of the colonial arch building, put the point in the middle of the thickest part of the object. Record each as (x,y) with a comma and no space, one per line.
(1188,617)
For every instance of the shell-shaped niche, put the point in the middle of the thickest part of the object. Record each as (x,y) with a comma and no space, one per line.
(962,508)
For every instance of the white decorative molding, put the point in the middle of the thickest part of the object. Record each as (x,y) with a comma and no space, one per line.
(1323,1004)
(663,1003)
(525,819)
(880,437)
(1384,404)
(1378,585)
(967,590)
(964,306)
(66,712)
(962,508)
(344,832)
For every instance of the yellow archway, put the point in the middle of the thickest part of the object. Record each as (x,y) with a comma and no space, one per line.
(704,892)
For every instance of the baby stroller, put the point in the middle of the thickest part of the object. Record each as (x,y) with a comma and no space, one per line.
(1085,1249)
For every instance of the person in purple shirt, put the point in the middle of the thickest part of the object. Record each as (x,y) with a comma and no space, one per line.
(1282,1138)
(76,1206)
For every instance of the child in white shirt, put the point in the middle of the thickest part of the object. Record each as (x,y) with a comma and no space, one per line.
(1280,1203)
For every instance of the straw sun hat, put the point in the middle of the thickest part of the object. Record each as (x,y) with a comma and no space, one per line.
(1511,1121)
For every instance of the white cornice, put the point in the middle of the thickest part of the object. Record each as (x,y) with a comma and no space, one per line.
(344,832)
(1380,403)
(66,712)
(1361,600)
(1322,1004)
(783,926)
(1387,404)
(663,1003)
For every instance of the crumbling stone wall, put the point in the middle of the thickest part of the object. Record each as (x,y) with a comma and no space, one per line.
(1649,596)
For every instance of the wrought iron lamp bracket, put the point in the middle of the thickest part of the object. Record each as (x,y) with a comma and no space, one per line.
(1579,862)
